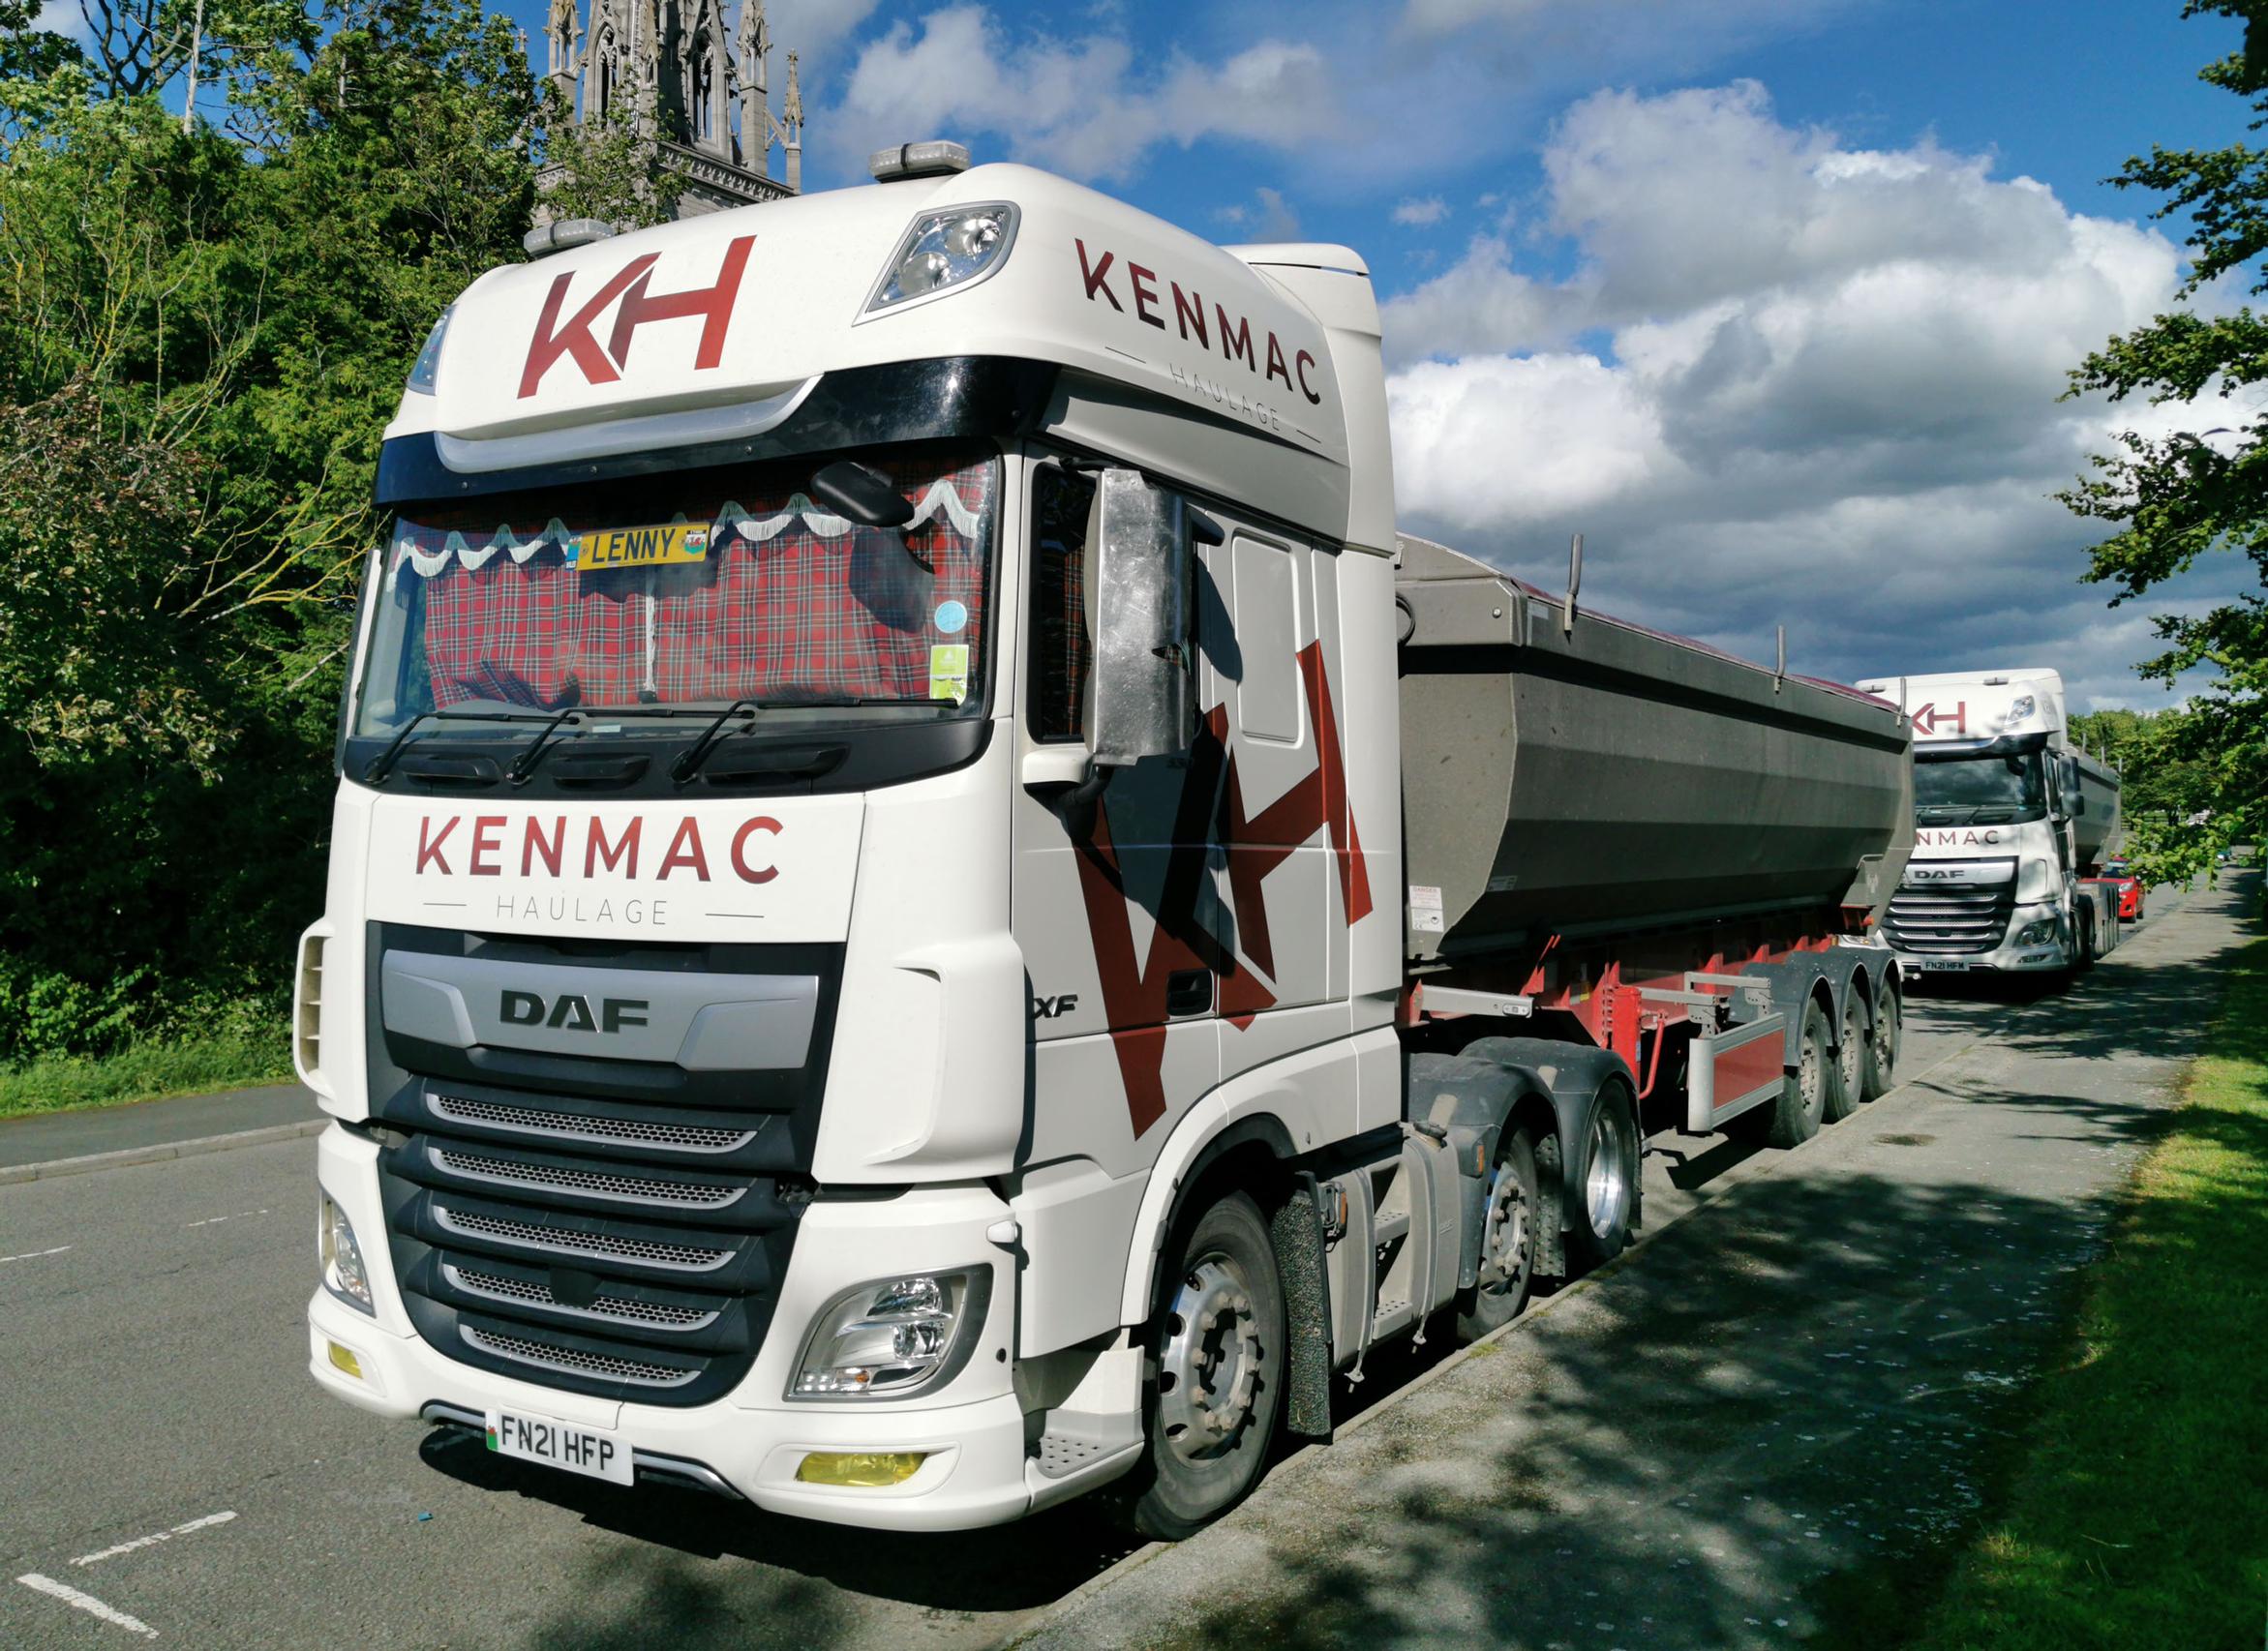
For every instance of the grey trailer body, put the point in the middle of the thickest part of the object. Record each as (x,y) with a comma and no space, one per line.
(1607,777)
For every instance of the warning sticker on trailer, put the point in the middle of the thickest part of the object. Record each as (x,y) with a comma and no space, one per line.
(1425,908)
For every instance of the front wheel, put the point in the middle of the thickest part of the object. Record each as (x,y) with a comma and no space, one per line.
(1217,1348)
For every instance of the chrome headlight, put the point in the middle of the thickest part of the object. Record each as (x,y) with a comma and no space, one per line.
(893,1336)
(941,250)
(341,1258)
(2036,932)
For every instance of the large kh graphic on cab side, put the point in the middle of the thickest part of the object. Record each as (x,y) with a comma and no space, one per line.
(1211,817)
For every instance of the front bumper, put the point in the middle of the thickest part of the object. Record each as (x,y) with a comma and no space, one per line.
(974,1430)
(2007,957)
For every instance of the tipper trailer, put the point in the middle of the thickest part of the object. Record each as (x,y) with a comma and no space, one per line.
(872,960)
(2013,820)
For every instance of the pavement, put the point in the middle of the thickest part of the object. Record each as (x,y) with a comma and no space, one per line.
(1787,1391)
(53,1138)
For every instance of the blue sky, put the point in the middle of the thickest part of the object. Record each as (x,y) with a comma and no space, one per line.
(1772,299)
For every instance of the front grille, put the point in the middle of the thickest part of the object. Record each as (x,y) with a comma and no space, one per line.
(585,1127)
(516,1172)
(577,1361)
(1950,920)
(498,1286)
(603,1220)
(569,1240)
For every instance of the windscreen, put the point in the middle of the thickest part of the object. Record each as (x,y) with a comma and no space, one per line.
(1976,791)
(691,588)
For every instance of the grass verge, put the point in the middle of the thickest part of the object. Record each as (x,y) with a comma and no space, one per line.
(2137,1514)
(143,1072)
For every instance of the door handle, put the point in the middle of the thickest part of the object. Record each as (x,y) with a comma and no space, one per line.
(1189,991)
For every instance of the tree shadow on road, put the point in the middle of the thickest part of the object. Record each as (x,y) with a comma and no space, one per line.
(1730,1437)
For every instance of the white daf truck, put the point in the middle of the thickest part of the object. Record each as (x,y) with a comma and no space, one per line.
(2010,820)
(872,961)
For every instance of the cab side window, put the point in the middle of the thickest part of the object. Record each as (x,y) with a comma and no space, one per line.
(1060,648)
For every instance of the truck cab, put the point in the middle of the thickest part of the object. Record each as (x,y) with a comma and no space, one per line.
(2009,817)
(762,1053)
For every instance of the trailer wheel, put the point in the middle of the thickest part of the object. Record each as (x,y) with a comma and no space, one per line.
(1846,1084)
(1882,1043)
(1507,1242)
(1793,1119)
(1603,1208)
(1217,1348)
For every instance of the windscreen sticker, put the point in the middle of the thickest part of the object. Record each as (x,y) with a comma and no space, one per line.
(952,617)
(948,672)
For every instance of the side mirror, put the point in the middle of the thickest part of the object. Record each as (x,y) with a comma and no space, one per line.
(2067,770)
(1137,592)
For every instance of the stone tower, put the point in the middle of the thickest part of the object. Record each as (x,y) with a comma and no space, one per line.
(696,92)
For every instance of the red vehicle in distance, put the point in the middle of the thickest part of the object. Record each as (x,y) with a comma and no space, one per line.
(2128,887)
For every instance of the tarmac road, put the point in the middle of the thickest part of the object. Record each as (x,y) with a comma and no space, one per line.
(1704,1437)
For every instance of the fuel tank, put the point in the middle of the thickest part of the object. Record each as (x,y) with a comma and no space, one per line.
(1607,778)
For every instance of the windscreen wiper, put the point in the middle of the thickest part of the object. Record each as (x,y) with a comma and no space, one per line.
(382,763)
(689,763)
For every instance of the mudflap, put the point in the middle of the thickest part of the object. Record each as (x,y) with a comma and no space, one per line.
(1296,1227)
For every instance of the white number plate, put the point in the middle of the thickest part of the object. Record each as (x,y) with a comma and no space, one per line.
(1948,965)
(554,1444)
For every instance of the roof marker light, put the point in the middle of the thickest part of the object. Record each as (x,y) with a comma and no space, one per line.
(939,158)
(566,232)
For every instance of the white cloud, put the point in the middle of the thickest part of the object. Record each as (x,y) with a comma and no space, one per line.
(1789,382)
(1086,106)
(1421,213)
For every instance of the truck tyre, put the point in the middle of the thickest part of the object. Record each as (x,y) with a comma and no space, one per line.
(1507,1242)
(1602,1198)
(1881,1044)
(1794,1118)
(1217,1352)
(1846,1085)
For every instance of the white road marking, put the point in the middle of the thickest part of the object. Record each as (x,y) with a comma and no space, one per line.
(214,1220)
(219,1519)
(87,1602)
(35,1254)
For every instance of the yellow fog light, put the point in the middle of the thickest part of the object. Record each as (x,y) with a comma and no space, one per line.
(344,1360)
(864,1469)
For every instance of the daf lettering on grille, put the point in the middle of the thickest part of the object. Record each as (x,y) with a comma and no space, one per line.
(570,1012)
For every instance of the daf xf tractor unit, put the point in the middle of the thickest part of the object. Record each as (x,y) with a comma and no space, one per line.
(2010,821)
(931,912)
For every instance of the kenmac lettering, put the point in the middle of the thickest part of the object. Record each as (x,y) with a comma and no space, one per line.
(713,304)
(1190,320)
(539,847)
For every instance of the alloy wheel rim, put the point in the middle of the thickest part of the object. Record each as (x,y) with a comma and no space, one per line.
(1605,1184)
(1209,1364)
(1506,1235)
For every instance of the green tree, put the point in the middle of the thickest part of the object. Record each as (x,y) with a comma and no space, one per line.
(201,336)
(2175,500)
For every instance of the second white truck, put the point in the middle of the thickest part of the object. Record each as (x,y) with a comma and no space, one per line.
(2010,819)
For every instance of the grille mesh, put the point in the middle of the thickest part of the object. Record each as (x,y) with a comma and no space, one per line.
(1950,921)
(690,1137)
(666,1314)
(576,1242)
(605,1365)
(699,1194)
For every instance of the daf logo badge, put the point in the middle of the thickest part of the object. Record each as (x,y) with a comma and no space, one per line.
(570,1012)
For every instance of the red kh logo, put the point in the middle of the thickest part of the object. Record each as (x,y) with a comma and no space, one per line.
(1929,719)
(627,288)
